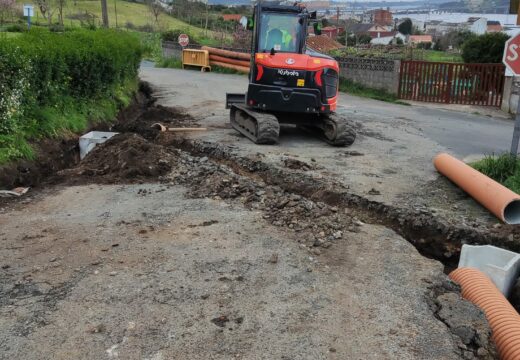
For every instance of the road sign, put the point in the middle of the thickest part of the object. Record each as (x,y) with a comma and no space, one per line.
(184,40)
(511,60)
(28,10)
(511,57)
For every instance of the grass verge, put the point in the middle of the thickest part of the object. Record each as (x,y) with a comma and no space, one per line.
(71,116)
(357,89)
(503,168)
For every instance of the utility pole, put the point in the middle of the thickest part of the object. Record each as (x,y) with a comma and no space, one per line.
(115,10)
(104,13)
(207,16)
(518,13)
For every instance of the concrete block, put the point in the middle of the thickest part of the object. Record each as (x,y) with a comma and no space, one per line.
(502,266)
(88,141)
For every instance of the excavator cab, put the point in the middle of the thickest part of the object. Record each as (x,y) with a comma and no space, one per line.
(287,82)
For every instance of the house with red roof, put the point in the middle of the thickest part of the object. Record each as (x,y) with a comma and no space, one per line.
(232,17)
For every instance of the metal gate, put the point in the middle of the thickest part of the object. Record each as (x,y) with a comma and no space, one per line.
(452,83)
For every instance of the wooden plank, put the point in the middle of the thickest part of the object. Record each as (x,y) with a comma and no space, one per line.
(500,86)
(431,79)
(484,85)
(400,86)
(406,80)
(455,88)
(423,78)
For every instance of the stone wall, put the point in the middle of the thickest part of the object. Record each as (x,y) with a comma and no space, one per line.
(373,73)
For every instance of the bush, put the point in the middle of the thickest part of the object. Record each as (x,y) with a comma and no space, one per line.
(171,35)
(487,48)
(424,45)
(15,28)
(43,72)
(503,168)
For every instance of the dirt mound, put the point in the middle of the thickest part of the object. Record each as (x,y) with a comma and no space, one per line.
(125,157)
(171,117)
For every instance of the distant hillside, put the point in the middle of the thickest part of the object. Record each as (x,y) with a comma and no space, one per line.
(129,14)
(230,2)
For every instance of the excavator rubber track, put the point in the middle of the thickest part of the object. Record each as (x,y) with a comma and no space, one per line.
(334,129)
(260,127)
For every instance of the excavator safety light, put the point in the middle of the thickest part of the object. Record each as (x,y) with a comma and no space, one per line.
(317,78)
(259,72)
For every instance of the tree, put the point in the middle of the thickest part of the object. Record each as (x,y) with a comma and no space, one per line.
(104,13)
(453,39)
(399,41)
(364,39)
(487,48)
(405,27)
(60,4)
(6,9)
(155,9)
(46,9)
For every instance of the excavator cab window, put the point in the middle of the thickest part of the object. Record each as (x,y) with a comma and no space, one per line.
(280,33)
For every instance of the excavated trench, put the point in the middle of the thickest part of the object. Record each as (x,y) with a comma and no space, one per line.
(261,186)
(433,236)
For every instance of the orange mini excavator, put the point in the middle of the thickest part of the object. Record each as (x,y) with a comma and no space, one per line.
(287,82)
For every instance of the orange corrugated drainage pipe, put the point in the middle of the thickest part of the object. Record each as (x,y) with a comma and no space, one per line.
(227,53)
(502,317)
(498,199)
(229,61)
(230,66)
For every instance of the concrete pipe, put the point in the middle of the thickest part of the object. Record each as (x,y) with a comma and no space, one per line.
(229,60)
(498,199)
(502,317)
(227,53)
(230,66)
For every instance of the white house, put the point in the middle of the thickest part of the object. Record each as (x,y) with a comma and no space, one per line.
(477,25)
(387,38)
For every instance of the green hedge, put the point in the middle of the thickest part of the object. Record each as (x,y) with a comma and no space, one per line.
(41,68)
(51,82)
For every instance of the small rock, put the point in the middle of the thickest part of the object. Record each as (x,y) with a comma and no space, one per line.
(482,352)
(95,329)
(497,226)
(374,192)
(318,242)
(220,321)
(53,260)
(316,251)
(274,258)
(112,273)
(332,350)
(511,237)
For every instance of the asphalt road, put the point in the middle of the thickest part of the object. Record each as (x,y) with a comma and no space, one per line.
(463,134)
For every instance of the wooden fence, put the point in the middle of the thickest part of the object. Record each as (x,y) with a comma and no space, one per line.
(452,83)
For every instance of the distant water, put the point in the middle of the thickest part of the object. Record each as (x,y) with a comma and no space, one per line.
(505,19)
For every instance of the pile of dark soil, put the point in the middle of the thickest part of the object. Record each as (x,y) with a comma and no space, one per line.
(142,124)
(52,156)
(124,158)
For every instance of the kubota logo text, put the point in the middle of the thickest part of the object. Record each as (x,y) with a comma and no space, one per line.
(286,72)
